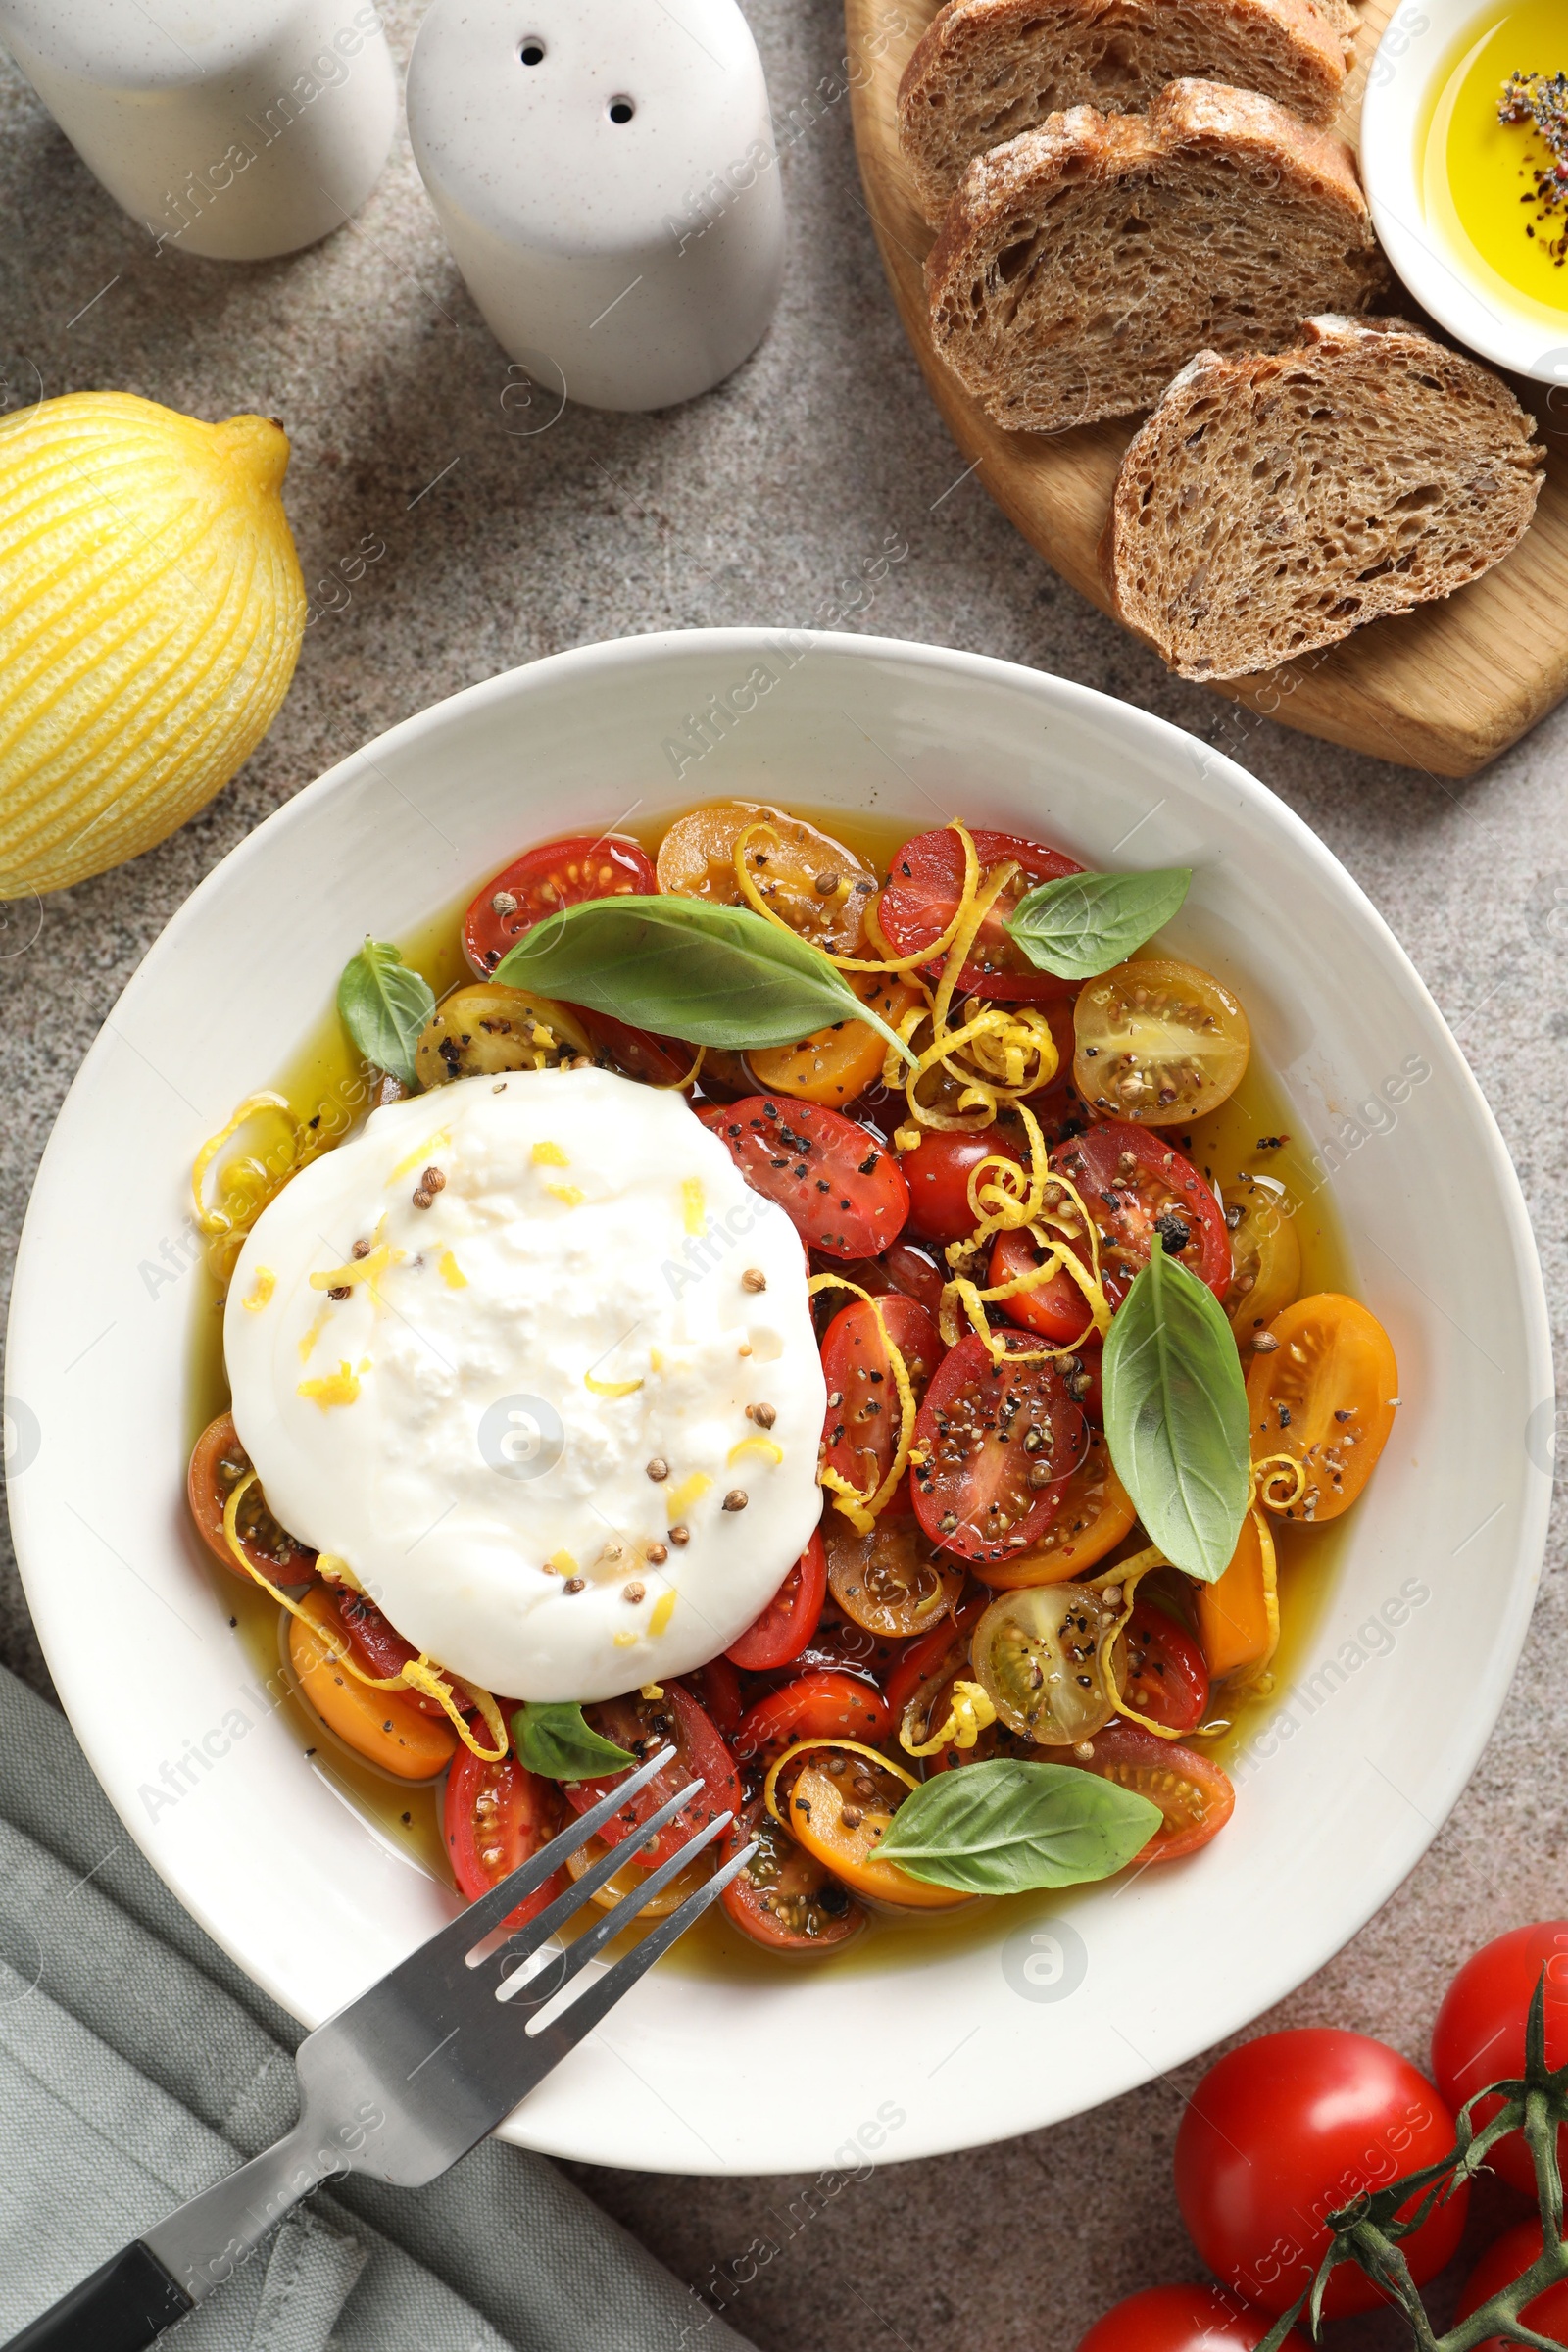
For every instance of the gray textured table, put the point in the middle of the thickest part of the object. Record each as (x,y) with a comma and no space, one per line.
(748,506)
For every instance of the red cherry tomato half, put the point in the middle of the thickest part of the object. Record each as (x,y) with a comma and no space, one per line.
(217,1465)
(656,1060)
(785,1899)
(1193,1792)
(1131,1181)
(924,884)
(905,1268)
(790,1618)
(641,1725)
(1503,2262)
(841,1187)
(496,1816)
(546,878)
(1161,1669)
(936,1172)
(1290,2128)
(716,1688)
(861,1430)
(378,1647)
(1183,2318)
(816,1706)
(1480,2033)
(999,1439)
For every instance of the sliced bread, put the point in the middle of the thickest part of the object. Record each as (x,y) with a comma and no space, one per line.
(1272,504)
(986,70)
(1082,264)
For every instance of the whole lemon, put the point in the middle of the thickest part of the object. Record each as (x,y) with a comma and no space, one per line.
(151,612)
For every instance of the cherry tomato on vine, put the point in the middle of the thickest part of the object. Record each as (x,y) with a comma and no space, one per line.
(544,880)
(1503,2261)
(1000,1439)
(839,1186)
(1183,2318)
(641,1725)
(790,1618)
(864,1413)
(925,882)
(1292,2128)
(936,1172)
(1480,2033)
(495,1817)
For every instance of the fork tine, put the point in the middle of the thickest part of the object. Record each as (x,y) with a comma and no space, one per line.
(549,2043)
(450,1945)
(609,1922)
(538,1931)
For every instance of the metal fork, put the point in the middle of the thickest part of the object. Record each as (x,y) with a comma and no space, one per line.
(407,2078)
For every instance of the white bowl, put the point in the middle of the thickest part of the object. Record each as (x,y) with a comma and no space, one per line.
(1476,308)
(1366,1755)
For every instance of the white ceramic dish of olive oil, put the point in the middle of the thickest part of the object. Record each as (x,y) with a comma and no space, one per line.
(1067,2000)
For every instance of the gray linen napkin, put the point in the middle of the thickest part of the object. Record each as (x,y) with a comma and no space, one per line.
(138,2064)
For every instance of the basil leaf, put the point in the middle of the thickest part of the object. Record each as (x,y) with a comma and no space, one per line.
(1000,1827)
(1176,1416)
(384,1007)
(1084,925)
(555,1740)
(713,975)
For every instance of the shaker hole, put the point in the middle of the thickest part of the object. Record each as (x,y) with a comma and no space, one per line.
(532,52)
(621,109)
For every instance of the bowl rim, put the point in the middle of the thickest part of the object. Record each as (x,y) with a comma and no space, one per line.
(1290,1963)
(1413,46)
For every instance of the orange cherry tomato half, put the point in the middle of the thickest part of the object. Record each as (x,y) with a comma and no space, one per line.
(786,1899)
(925,882)
(217,1465)
(835,1064)
(811,881)
(640,1726)
(863,1410)
(790,1618)
(385,1727)
(544,880)
(998,1441)
(1325,1393)
(1096,1512)
(821,1705)
(839,1803)
(1190,1789)
(838,1185)
(496,1816)
(1504,2260)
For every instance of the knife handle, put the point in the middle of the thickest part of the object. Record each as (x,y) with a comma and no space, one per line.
(122,2308)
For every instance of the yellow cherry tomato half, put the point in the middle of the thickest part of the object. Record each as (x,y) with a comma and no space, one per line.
(834,1065)
(893,1581)
(630,1877)
(1239,1615)
(382,1725)
(484,1030)
(838,1803)
(1036,1655)
(1097,1512)
(1265,1254)
(1159,1042)
(1324,1393)
(810,880)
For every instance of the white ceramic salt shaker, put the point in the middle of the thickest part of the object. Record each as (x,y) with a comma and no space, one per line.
(235,128)
(605,173)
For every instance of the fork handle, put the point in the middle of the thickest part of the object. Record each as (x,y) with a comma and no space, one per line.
(120,2308)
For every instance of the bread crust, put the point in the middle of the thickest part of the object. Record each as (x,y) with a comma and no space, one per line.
(1208,163)
(986,70)
(1373,469)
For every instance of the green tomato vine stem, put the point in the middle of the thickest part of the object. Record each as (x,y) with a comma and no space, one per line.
(1369,2233)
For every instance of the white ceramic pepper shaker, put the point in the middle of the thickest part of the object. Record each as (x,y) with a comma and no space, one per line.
(605,173)
(235,128)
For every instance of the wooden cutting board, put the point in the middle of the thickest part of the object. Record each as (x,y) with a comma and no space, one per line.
(1444,689)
